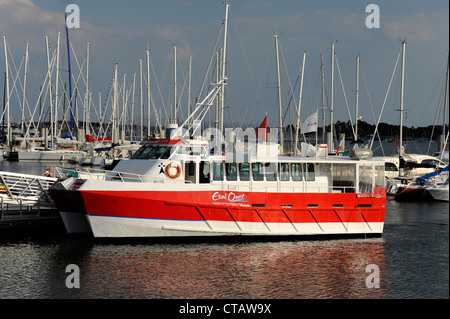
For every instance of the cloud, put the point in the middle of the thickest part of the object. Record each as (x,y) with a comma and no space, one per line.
(22,20)
(420,27)
(167,32)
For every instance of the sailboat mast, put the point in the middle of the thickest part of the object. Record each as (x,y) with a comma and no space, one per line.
(357,96)
(322,71)
(55,130)
(402,87)
(189,86)
(175,97)
(115,103)
(299,103)
(132,108)
(279,93)
(331,142)
(8,123)
(224,55)
(142,103)
(445,109)
(148,93)
(218,64)
(123,116)
(22,122)
(70,78)
(86,97)
(50,92)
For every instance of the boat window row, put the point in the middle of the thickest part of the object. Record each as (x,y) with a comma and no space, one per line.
(259,172)
(165,151)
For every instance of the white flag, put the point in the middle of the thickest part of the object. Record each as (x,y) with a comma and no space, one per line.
(310,125)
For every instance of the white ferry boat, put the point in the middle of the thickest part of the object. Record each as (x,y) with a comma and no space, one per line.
(173,188)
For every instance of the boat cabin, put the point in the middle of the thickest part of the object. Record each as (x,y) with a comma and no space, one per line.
(190,162)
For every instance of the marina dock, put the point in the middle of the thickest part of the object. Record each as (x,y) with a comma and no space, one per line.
(25,204)
(16,218)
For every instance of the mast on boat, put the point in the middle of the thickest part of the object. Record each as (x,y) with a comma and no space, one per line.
(224,54)
(142,102)
(8,123)
(299,103)
(55,130)
(357,96)
(115,103)
(70,77)
(331,141)
(402,86)
(279,93)
(132,108)
(175,97)
(189,86)
(322,72)
(87,120)
(22,122)
(50,94)
(148,92)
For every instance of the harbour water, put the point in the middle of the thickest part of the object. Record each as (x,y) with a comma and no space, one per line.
(410,261)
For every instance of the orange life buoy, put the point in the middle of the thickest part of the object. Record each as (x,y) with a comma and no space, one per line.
(173,175)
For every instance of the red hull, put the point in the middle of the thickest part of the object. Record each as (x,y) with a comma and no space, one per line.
(259,207)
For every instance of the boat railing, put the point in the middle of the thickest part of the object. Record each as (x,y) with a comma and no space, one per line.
(20,187)
(108,175)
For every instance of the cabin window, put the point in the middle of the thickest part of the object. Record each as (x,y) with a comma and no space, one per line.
(231,171)
(271,171)
(430,163)
(344,177)
(218,171)
(193,151)
(205,172)
(380,180)
(153,152)
(138,153)
(365,178)
(284,171)
(166,153)
(390,167)
(309,172)
(244,171)
(296,171)
(257,172)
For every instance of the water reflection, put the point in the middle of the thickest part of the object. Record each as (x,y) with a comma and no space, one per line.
(326,269)
(412,257)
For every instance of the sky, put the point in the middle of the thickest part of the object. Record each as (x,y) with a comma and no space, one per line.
(122,31)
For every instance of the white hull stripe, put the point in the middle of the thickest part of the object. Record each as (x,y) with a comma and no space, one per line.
(141,227)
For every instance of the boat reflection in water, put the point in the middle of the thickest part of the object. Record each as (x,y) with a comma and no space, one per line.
(298,269)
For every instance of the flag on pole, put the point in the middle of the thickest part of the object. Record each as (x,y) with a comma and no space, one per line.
(310,125)
(262,129)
